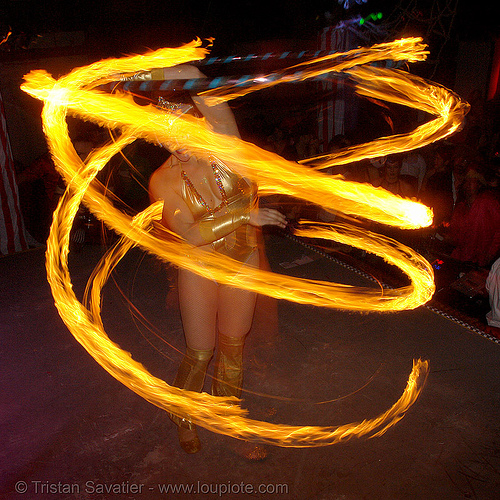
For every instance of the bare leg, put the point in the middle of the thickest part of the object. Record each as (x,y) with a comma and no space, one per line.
(235,316)
(236,307)
(198,304)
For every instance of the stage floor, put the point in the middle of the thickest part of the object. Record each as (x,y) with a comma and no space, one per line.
(71,431)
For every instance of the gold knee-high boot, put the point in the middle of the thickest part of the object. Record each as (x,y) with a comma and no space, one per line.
(191,376)
(228,381)
(228,374)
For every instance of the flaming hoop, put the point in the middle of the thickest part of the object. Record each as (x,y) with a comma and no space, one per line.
(76,93)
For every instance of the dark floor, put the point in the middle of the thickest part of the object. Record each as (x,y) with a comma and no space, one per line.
(70,431)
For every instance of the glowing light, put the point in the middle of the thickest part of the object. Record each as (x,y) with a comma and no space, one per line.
(407,49)
(6,37)
(371,17)
(75,93)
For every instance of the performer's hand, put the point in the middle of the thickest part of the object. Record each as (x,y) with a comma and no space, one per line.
(267,216)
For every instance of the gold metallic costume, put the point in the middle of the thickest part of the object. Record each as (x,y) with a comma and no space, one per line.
(225,226)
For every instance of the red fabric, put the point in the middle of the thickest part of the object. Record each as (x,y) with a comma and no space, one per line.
(43,168)
(12,235)
(475,230)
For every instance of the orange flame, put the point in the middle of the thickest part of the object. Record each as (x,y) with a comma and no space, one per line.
(75,93)
(406,49)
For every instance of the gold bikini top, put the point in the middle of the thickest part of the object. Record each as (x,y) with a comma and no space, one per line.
(231,186)
(236,193)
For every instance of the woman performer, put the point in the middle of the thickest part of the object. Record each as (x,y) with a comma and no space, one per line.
(212,207)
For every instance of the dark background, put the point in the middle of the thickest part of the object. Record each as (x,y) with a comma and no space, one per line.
(131,25)
(59,35)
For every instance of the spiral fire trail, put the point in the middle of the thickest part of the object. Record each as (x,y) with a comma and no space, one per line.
(76,94)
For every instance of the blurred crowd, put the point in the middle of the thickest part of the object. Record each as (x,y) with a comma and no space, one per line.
(125,180)
(459,178)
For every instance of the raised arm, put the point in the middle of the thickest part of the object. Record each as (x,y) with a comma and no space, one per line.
(220,116)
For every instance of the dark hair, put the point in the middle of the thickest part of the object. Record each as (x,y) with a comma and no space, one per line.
(395,158)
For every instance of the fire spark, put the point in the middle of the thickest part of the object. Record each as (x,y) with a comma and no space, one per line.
(76,94)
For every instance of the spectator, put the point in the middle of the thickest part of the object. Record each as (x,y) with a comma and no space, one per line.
(475,223)
(413,170)
(442,184)
(306,146)
(392,181)
(364,171)
(40,187)
(437,191)
(493,288)
(278,142)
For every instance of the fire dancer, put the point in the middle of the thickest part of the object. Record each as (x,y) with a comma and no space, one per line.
(212,207)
